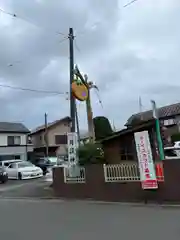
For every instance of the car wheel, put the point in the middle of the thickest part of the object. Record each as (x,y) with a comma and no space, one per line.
(44,173)
(4,180)
(19,176)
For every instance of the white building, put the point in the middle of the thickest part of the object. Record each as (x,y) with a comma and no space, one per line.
(13,141)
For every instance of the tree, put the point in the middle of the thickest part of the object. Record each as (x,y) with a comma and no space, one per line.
(90,153)
(102,127)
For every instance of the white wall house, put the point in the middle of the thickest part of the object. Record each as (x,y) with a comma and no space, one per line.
(13,141)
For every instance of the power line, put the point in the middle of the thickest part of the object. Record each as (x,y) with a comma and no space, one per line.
(76,46)
(129,3)
(99,99)
(33,90)
(28,21)
(64,39)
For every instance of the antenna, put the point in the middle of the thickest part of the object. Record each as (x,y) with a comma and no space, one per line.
(140,107)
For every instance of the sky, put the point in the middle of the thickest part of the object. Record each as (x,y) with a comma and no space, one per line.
(128,52)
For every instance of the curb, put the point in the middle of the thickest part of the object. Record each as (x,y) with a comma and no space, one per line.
(130,204)
(62,200)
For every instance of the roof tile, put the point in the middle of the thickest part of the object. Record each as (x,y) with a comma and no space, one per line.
(163,112)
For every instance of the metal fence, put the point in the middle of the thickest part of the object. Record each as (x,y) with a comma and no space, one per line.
(74,174)
(128,173)
(121,172)
(112,173)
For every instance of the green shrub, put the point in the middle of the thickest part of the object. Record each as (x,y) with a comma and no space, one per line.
(90,153)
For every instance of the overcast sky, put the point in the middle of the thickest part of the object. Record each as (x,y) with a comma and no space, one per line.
(128,52)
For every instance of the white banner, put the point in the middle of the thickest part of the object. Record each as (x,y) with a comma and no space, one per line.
(146,164)
(72,147)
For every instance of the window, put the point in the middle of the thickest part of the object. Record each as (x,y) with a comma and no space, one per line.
(60,139)
(13,165)
(126,149)
(169,122)
(6,157)
(17,157)
(14,140)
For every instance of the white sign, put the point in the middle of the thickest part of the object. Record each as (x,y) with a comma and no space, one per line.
(146,164)
(72,147)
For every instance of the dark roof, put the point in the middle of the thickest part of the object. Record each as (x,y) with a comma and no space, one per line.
(13,127)
(129,130)
(42,127)
(166,111)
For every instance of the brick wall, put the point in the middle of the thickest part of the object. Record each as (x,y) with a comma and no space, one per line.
(96,188)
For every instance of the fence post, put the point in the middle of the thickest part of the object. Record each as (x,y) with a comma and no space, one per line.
(105,172)
(64,171)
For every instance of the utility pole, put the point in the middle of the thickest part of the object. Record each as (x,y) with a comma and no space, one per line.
(88,104)
(77,124)
(71,68)
(89,113)
(46,135)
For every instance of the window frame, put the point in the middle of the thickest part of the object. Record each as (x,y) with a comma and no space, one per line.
(13,142)
(61,142)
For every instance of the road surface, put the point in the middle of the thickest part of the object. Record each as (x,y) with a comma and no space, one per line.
(48,219)
(25,215)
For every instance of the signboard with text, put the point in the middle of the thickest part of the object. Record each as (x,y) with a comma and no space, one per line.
(146,164)
(72,147)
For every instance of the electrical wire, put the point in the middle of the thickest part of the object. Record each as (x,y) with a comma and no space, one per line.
(129,3)
(64,39)
(28,21)
(98,97)
(76,46)
(33,90)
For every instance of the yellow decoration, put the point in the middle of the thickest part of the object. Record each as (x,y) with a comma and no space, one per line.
(79,90)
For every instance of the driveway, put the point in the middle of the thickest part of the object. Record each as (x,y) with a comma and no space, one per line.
(25,188)
(40,219)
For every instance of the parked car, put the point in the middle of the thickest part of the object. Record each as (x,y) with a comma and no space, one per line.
(43,163)
(172,152)
(3,175)
(23,170)
(6,163)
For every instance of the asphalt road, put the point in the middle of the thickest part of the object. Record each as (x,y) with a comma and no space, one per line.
(26,188)
(42,219)
(25,215)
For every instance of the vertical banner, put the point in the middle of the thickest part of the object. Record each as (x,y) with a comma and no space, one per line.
(72,147)
(146,164)
(73,168)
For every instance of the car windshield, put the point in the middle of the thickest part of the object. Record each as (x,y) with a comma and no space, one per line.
(44,161)
(25,164)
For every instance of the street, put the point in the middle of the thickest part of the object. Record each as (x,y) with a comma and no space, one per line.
(42,219)
(26,215)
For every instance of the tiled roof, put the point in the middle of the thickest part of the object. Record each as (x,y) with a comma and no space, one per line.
(166,111)
(42,127)
(13,127)
(144,125)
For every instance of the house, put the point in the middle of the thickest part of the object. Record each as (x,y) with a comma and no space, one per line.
(13,141)
(120,146)
(169,117)
(55,135)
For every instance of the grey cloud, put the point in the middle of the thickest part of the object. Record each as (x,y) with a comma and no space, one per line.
(126,51)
